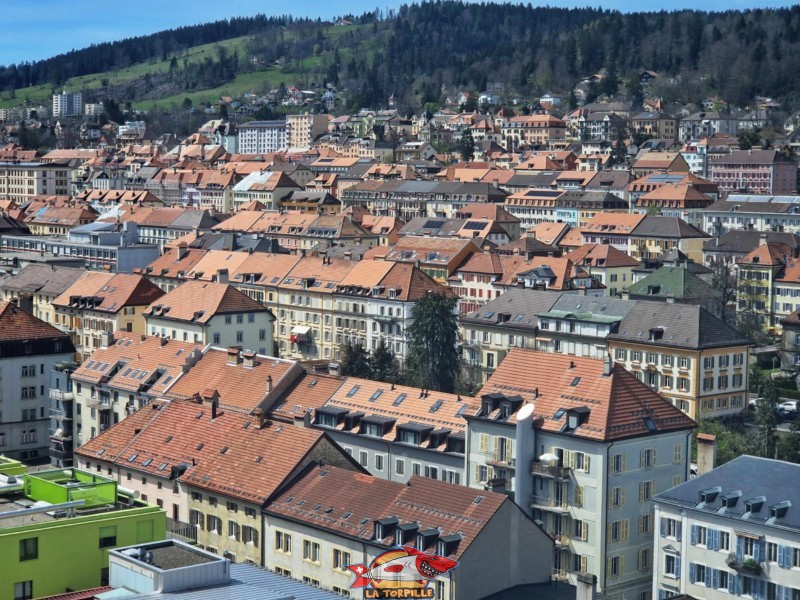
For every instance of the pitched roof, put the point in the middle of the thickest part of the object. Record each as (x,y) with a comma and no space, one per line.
(601,256)
(174,262)
(364,499)
(138,363)
(748,478)
(18,324)
(744,241)
(667,227)
(163,435)
(672,282)
(42,279)
(240,388)
(200,301)
(613,223)
(770,254)
(549,232)
(619,404)
(681,326)
(113,291)
(521,305)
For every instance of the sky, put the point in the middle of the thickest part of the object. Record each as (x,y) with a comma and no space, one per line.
(44,28)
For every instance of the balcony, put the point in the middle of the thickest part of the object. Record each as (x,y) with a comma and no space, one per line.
(543,469)
(550,504)
(61,396)
(62,413)
(745,565)
(61,435)
(385,318)
(561,540)
(100,403)
(501,461)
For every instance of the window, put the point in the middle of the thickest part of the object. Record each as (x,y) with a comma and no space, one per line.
(233,530)
(723,579)
(310,581)
(683,384)
(23,590)
(233,507)
(196,518)
(615,566)
(772,552)
(708,362)
(700,535)
(212,501)
(618,463)
(362,458)
(672,565)
(250,535)
(644,525)
(677,453)
(616,497)
(724,541)
(644,559)
(310,551)
(214,524)
(239,336)
(215,337)
(749,547)
(646,490)
(618,531)
(400,466)
(579,496)
(283,542)
(340,559)
(379,462)
(28,549)
(580,530)
(685,362)
(697,574)
(108,536)
(647,458)
(708,383)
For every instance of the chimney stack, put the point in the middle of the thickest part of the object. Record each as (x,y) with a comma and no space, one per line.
(249,359)
(214,403)
(269,383)
(233,355)
(259,413)
(585,586)
(497,485)
(607,365)
(706,453)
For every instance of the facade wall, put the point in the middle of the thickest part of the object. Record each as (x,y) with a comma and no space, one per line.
(251,331)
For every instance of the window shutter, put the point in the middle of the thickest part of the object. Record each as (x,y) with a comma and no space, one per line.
(691,573)
(780,556)
(609,532)
(622,497)
(484,441)
(624,463)
(677,566)
(654,463)
(584,563)
(663,527)
(570,459)
(731,583)
(586,462)
(714,578)
(584,536)
(708,576)
(715,539)
(621,565)
(739,548)
(757,551)
(624,534)
(608,567)
(477,473)
(678,529)
(693,535)
(641,459)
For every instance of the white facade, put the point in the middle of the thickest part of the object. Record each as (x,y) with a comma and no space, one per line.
(25,404)
(67,104)
(250,330)
(262,137)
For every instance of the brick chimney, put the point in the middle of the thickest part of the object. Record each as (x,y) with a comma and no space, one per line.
(233,355)
(249,359)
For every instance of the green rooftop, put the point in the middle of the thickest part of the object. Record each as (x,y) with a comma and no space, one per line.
(68,485)
(672,282)
(9,466)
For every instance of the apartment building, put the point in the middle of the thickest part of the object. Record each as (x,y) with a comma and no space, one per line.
(533,130)
(302,130)
(585,446)
(34,287)
(262,137)
(266,187)
(29,350)
(656,236)
(685,354)
(706,124)
(98,304)
(67,104)
(54,220)
(327,518)
(211,313)
(127,374)
(759,291)
(210,468)
(57,528)
(733,531)
(678,201)
(21,181)
(604,263)
(754,172)
(437,257)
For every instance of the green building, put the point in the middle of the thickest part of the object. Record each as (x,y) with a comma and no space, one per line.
(56,528)
(11,467)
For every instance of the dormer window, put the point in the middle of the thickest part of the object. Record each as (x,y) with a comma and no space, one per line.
(730,500)
(778,511)
(710,495)
(754,505)
(505,410)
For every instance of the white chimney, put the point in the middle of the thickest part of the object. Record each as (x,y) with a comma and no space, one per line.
(526,450)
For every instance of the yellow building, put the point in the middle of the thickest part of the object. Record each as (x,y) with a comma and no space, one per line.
(36,286)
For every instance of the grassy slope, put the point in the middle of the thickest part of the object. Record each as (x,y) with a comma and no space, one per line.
(244,82)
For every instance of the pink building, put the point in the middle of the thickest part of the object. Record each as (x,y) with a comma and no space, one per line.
(754,172)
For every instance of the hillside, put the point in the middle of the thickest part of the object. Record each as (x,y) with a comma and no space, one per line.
(421,49)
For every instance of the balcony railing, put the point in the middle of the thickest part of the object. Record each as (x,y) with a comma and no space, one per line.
(100,403)
(543,469)
(504,461)
(62,396)
(178,530)
(549,504)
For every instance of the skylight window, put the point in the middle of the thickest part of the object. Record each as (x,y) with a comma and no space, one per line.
(436,406)
(650,424)
(376,395)
(353,391)
(575,381)
(559,413)
(147,462)
(399,400)
(478,500)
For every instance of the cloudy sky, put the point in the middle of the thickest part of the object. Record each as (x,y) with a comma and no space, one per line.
(44,28)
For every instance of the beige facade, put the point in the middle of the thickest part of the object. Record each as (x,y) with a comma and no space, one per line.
(21,181)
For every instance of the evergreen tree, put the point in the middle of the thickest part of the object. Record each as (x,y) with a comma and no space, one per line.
(767,419)
(432,361)
(467,146)
(355,361)
(385,366)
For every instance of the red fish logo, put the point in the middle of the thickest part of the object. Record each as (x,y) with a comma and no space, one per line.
(404,567)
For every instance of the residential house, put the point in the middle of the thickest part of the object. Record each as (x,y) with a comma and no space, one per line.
(211,313)
(678,284)
(605,263)
(29,350)
(679,201)
(98,304)
(127,374)
(655,236)
(754,172)
(614,229)
(533,130)
(732,246)
(437,257)
(328,518)
(267,187)
(54,220)
(732,531)
(753,213)
(34,287)
(758,273)
(654,125)
(687,355)
(706,124)
(585,447)
(649,162)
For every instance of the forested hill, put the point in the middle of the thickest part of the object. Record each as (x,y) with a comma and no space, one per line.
(416,50)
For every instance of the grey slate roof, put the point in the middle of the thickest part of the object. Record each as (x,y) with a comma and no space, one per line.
(247,583)
(685,326)
(746,241)
(521,304)
(43,279)
(592,308)
(667,227)
(752,207)
(776,480)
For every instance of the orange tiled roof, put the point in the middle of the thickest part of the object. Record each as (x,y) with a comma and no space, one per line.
(229,455)
(613,223)
(601,256)
(549,232)
(114,291)
(18,324)
(768,254)
(618,404)
(240,388)
(453,509)
(200,301)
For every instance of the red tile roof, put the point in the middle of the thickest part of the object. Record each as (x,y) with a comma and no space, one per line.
(200,301)
(601,256)
(330,493)
(114,291)
(220,454)
(618,404)
(18,324)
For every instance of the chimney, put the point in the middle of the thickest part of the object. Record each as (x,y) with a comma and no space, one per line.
(259,413)
(222,276)
(233,355)
(585,586)
(497,485)
(163,341)
(249,359)
(706,453)
(182,250)
(269,383)
(607,365)
(214,403)
(525,448)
